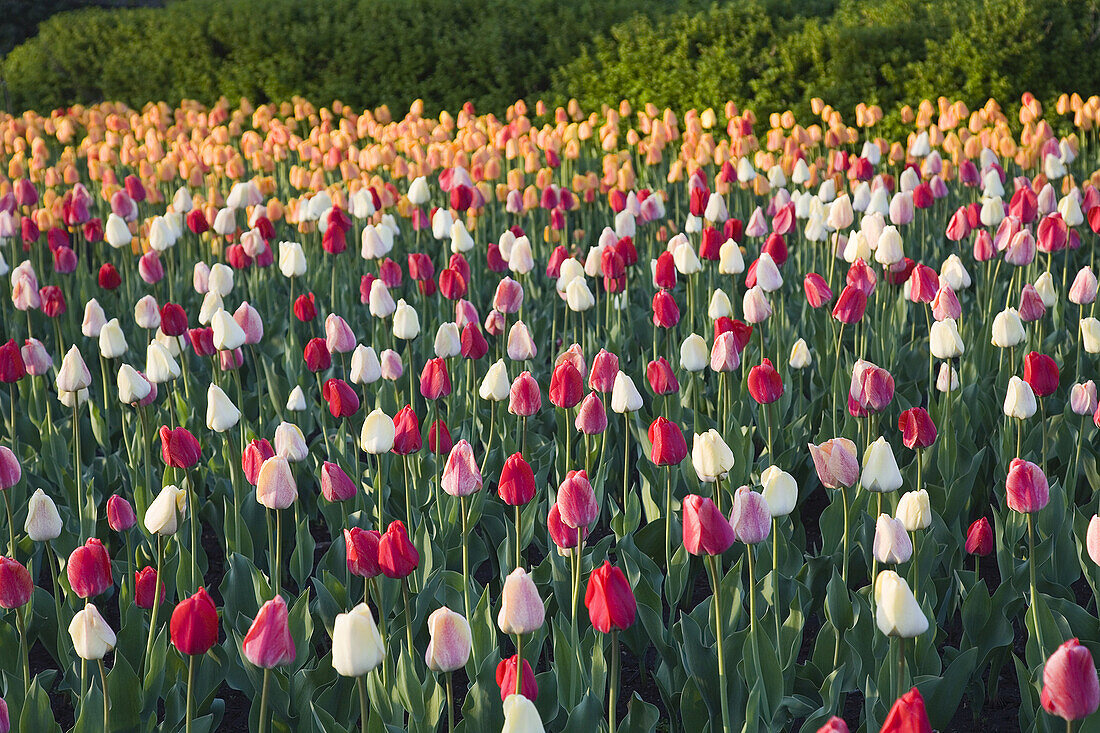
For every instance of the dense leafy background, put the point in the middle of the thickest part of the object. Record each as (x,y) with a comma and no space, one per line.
(768,54)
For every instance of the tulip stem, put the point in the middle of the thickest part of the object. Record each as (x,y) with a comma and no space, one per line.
(844,504)
(518,519)
(408,614)
(194,511)
(156,601)
(408,497)
(190,688)
(713,562)
(21,624)
(378,492)
(465,561)
(613,684)
(362,701)
(76,461)
(278,550)
(626,459)
(775,570)
(668,520)
(1031,577)
(11,526)
(901,667)
(450,706)
(106,698)
(263,702)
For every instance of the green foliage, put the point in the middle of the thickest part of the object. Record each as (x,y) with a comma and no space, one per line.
(768,54)
(364,52)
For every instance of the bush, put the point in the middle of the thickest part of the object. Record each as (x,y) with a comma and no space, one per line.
(365,52)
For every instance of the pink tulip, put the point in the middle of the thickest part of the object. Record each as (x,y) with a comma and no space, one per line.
(268,643)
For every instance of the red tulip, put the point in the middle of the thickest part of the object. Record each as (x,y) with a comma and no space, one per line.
(108,277)
(818,292)
(194,625)
(576,501)
(959,226)
(93,230)
(1071,689)
(517,481)
(435,382)
(506,679)
(202,341)
(524,398)
(872,389)
(861,276)
(1052,234)
(89,569)
(668,445)
(173,319)
(342,400)
(664,275)
(591,417)
(605,367)
(420,267)
(1031,306)
(899,272)
(53,301)
(851,305)
(406,438)
(923,284)
(1026,487)
(979,538)
(907,715)
(706,531)
(335,484)
(609,599)
(146,588)
(305,308)
(179,448)
(566,386)
(661,378)
(1041,373)
(396,555)
(1024,205)
(120,514)
(268,642)
(917,428)
(389,272)
(776,247)
(666,313)
(451,284)
(196,221)
(12,367)
(16,586)
(255,453)
(473,343)
(564,536)
(361,551)
(765,384)
(317,355)
(834,724)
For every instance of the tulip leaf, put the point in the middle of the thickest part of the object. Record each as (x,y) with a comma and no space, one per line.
(37,714)
(641,717)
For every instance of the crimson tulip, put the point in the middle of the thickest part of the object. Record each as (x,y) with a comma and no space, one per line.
(668,445)
(397,557)
(609,599)
(361,551)
(506,679)
(89,569)
(194,624)
(517,481)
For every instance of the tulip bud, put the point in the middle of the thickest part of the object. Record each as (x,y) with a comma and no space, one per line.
(43,521)
(800,355)
(945,341)
(880,468)
(16,585)
(780,491)
(275,484)
(1071,689)
(451,641)
(461,474)
(1008,329)
(221,413)
(624,395)
(89,569)
(892,544)
(897,612)
(162,516)
(521,716)
(406,323)
(979,538)
(73,375)
(1026,487)
(914,511)
(706,531)
(711,458)
(296,400)
(120,514)
(92,637)
(750,517)
(609,599)
(1019,400)
(290,443)
(521,611)
(147,590)
(357,647)
(268,643)
(397,556)
(194,624)
(835,462)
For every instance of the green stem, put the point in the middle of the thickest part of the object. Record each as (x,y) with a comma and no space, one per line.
(156,602)
(21,625)
(278,550)
(1031,579)
(450,705)
(613,685)
(190,690)
(11,526)
(519,663)
(719,638)
(408,614)
(901,667)
(519,534)
(106,698)
(465,561)
(363,702)
(263,702)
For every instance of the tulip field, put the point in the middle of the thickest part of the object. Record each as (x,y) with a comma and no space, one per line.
(328,420)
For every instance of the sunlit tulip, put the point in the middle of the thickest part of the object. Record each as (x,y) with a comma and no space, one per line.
(276,487)
(780,491)
(221,413)
(450,641)
(521,609)
(750,517)
(711,458)
(162,516)
(357,647)
(1071,689)
(891,544)
(897,612)
(91,636)
(268,642)
(43,522)
(880,468)
(835,462)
